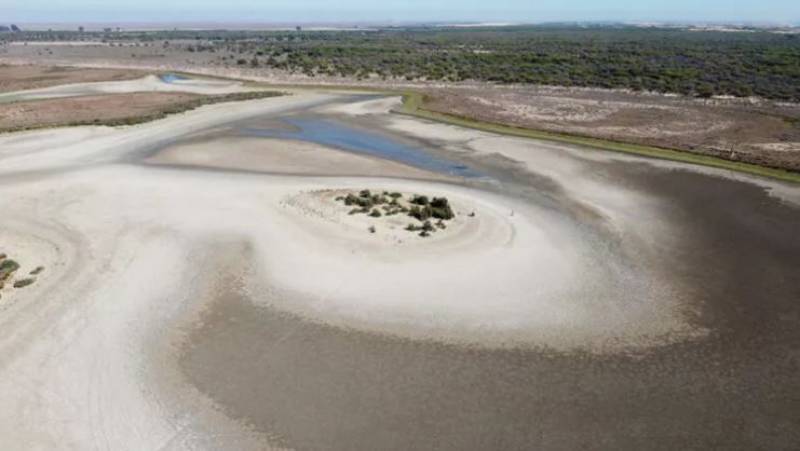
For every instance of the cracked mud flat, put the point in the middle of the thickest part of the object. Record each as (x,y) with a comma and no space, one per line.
(194,301)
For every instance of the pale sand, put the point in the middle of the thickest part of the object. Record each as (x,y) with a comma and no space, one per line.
(279,156)
(150,83)
(365,108)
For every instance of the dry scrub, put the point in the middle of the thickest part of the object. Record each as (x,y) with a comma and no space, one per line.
(110,109)
(17,78)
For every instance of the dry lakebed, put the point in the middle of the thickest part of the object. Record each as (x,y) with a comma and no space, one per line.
(313,271)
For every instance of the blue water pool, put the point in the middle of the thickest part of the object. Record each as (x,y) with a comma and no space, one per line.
(338,135)
(171,78)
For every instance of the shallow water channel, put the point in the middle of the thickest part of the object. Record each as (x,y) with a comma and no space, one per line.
(339,135)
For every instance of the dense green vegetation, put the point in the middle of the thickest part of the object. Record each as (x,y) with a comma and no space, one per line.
(685,62)
(700,63)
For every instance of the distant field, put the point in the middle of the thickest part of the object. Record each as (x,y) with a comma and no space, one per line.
(17,78)
(108,109)
(696,63)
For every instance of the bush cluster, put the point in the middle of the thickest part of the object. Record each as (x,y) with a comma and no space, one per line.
(421,208)
(438,208)
(8,267)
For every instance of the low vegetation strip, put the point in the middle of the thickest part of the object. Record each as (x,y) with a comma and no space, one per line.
(414,105)
(110,110)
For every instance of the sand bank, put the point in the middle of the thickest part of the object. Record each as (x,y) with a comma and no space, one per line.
(278,156)
(149,83)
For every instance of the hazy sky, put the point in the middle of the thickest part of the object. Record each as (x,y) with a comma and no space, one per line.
(397,10)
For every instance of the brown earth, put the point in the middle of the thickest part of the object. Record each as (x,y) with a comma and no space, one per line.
(758,132)
(104,109)
(17,78)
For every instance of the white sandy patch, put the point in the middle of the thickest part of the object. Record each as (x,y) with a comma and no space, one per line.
(73,351)
(780,146)
(513,274)
(368,107)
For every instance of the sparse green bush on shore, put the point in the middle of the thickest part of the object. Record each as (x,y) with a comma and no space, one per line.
(422,208)
(419,200)
(37,270)
(24,282)
(7,268)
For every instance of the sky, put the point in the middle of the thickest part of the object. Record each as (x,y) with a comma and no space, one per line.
(308,11)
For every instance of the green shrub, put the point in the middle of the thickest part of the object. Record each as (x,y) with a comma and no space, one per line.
(439,202)
(442,212)
(419,200)
(350,200)
(37,270)
(375,213)
(441,208)
(7,267)
(23,282)
(420,214)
